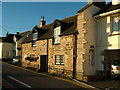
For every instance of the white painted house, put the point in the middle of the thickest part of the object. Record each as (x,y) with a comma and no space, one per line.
(11,45)
(1,47)
(107,35)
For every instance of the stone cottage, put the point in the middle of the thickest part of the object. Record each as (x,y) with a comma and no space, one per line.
(52,45)
(65,47)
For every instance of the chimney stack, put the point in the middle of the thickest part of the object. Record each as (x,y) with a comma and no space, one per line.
(42,22)
(17,33)
(98,3)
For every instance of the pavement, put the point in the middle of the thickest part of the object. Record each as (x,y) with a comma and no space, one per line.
(107,84)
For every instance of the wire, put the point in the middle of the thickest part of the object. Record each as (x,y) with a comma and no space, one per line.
(4,28)
(19,27)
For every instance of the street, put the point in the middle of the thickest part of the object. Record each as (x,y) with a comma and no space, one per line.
(13,77)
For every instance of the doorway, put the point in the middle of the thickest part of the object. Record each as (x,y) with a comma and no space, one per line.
(43,63)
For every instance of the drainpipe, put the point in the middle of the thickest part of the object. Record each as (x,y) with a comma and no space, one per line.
(47,54)
(74,53)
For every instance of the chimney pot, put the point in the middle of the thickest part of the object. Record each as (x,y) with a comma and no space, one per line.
(17,33)
(42,22)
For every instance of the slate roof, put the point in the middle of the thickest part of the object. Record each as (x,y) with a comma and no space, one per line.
(9,37)
(108,7)
(23,33)
(68,27)
(97,4)
(1,38)
(84,8)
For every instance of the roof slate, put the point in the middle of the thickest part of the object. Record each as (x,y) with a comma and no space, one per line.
(68,27)
(1,38)
(9,37)
(108,7)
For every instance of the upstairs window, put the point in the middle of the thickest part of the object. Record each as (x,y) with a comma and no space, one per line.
(116,24)
(56,35)
(35,36)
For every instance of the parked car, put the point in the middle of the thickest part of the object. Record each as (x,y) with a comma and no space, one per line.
(115,68)
(16,60)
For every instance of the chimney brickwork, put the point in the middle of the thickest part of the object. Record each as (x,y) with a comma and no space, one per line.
(42,22)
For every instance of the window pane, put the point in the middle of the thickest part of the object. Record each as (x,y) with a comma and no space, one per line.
(56,35)
(35,35)
(116,23)
(34,42)
(62,59)
(57,59)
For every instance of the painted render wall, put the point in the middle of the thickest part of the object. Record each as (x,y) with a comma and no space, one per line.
(104,40)
(7,51)
(0,50)
(90,69)
(86,38)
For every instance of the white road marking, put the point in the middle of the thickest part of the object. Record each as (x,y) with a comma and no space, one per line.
(86,84)
(19,81)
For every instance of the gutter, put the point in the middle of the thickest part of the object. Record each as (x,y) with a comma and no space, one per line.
(107,13)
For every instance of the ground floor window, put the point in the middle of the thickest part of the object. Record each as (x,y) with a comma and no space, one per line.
(59,59)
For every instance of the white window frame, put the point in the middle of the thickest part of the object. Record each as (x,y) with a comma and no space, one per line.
(117,31)
(36,35)
(59,59)
(56,35)
(34,39)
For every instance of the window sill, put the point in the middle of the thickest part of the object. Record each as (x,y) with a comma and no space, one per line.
(56,43)
(34,46)
(60,64)
(113,34)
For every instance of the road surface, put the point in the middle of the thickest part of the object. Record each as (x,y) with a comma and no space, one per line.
(14,77)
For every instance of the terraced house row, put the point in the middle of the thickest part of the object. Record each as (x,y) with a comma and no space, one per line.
(80,46)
